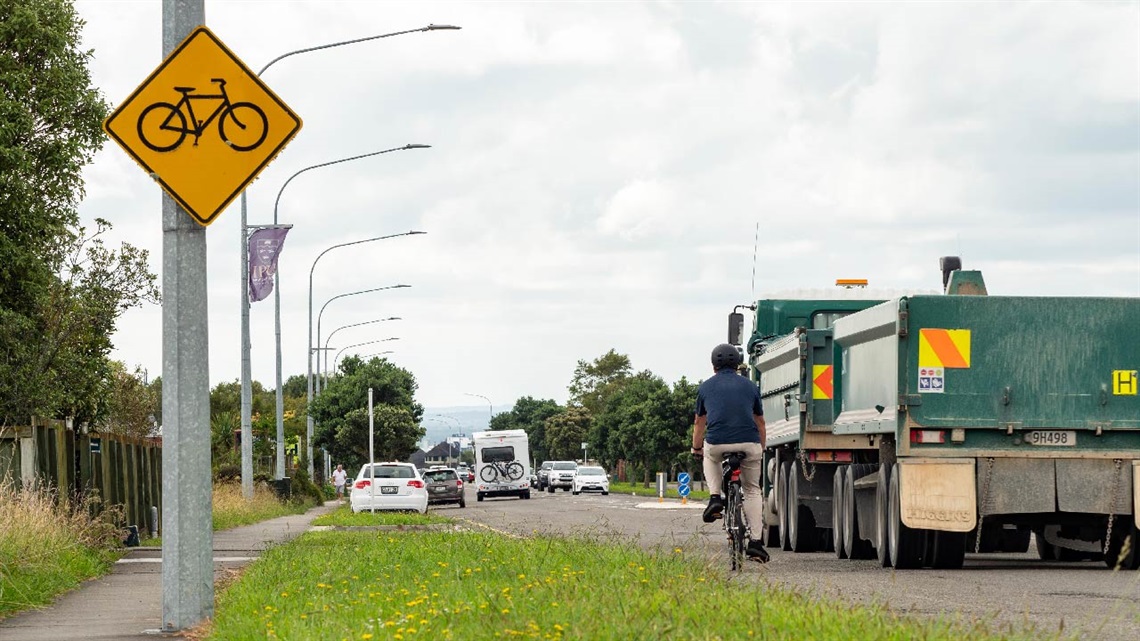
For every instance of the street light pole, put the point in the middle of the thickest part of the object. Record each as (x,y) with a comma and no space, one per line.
(309,351)
(320,316)
(246,396)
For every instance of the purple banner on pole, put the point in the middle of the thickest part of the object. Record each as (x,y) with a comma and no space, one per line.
(264,248)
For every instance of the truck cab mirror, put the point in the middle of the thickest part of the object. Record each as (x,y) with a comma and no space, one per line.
(735,328)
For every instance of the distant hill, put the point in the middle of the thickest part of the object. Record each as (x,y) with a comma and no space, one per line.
(441,422)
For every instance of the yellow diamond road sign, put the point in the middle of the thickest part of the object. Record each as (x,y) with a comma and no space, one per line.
(203,125)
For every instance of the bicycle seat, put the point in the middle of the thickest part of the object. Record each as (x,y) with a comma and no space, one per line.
(184,89)
(734,459)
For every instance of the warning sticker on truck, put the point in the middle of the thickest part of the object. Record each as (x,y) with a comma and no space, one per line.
(949,348)
(821,384)
(931,380)
(1124,382)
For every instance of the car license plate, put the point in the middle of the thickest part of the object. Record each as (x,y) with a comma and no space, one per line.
(1055,438)
(389,489)
(438,489)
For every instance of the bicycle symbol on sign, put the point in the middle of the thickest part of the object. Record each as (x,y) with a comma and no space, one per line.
(162,126)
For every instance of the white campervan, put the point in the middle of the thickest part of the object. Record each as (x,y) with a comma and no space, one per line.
(502,463)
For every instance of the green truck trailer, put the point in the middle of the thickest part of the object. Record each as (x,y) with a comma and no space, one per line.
(916,428)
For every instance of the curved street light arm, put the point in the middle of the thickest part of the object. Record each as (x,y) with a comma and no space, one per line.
(337,162)
(321,313)
(490,408)
(382,340)
(378,320)
(430,27)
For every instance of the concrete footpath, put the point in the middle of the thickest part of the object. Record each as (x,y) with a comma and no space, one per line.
(126,603)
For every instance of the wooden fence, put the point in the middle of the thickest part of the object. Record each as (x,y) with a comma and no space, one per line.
(119,470)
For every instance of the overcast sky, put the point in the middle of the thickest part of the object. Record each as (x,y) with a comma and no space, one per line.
(598,170)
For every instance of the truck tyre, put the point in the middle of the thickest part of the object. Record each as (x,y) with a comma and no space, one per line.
(855,545)
(462,502)
(576,493)
(1124,528)
(550,489)
(907,545)
(947,550)
(1045,549)
(882,541)
(838,536)
(782,505)
(802,535)
(478,496)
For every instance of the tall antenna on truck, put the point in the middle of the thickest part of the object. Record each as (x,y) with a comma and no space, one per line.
(755,242)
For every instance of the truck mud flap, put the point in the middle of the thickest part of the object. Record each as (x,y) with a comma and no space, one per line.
(1089,485)
(1017,485)
(938,494)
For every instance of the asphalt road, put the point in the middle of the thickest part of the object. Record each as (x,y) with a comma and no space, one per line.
(1008,590)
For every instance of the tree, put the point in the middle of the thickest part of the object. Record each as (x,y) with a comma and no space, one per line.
(130,403)
(595,382)
(335,411)
(646,423)
(61,289)
(529,414)
(395,436)
(565,433)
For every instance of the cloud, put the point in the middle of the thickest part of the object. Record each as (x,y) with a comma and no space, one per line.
(598,171)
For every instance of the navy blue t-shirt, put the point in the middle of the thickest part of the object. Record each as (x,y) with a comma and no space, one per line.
(729,400)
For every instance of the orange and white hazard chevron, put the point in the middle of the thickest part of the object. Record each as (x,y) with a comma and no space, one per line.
(948,348)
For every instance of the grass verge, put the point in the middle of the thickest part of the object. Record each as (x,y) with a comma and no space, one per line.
(640,490)
(231,509)
(47,549)
(345,517)
(460,585)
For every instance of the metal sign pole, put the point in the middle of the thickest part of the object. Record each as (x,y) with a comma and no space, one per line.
(187,537)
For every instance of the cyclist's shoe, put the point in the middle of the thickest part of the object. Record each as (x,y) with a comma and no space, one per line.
(714,509)
(756,552)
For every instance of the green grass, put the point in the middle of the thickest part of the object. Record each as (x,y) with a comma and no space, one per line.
(48,549)
(474,585)
(639,489)
(344,516)
(231,509)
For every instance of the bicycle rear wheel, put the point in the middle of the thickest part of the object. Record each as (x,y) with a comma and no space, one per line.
(515,470)
(734,524)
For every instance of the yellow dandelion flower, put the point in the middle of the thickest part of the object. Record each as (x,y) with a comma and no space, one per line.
(366,635)
(558,627)
(506,610)
(676,550)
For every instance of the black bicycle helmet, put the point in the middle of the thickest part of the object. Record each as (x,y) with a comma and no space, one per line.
(725,355)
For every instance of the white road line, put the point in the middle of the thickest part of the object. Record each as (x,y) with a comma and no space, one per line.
(217,559)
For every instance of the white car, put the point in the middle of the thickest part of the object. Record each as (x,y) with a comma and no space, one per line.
(389,486)
(591,479)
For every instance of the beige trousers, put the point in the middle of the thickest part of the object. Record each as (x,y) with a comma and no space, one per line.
(749,478)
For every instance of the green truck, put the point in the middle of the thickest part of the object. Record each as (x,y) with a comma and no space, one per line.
(916,428)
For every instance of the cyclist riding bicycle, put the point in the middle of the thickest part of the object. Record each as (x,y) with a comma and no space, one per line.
(729,418)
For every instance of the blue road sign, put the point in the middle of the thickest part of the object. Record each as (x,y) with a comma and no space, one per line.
(683,478)
(683,489)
